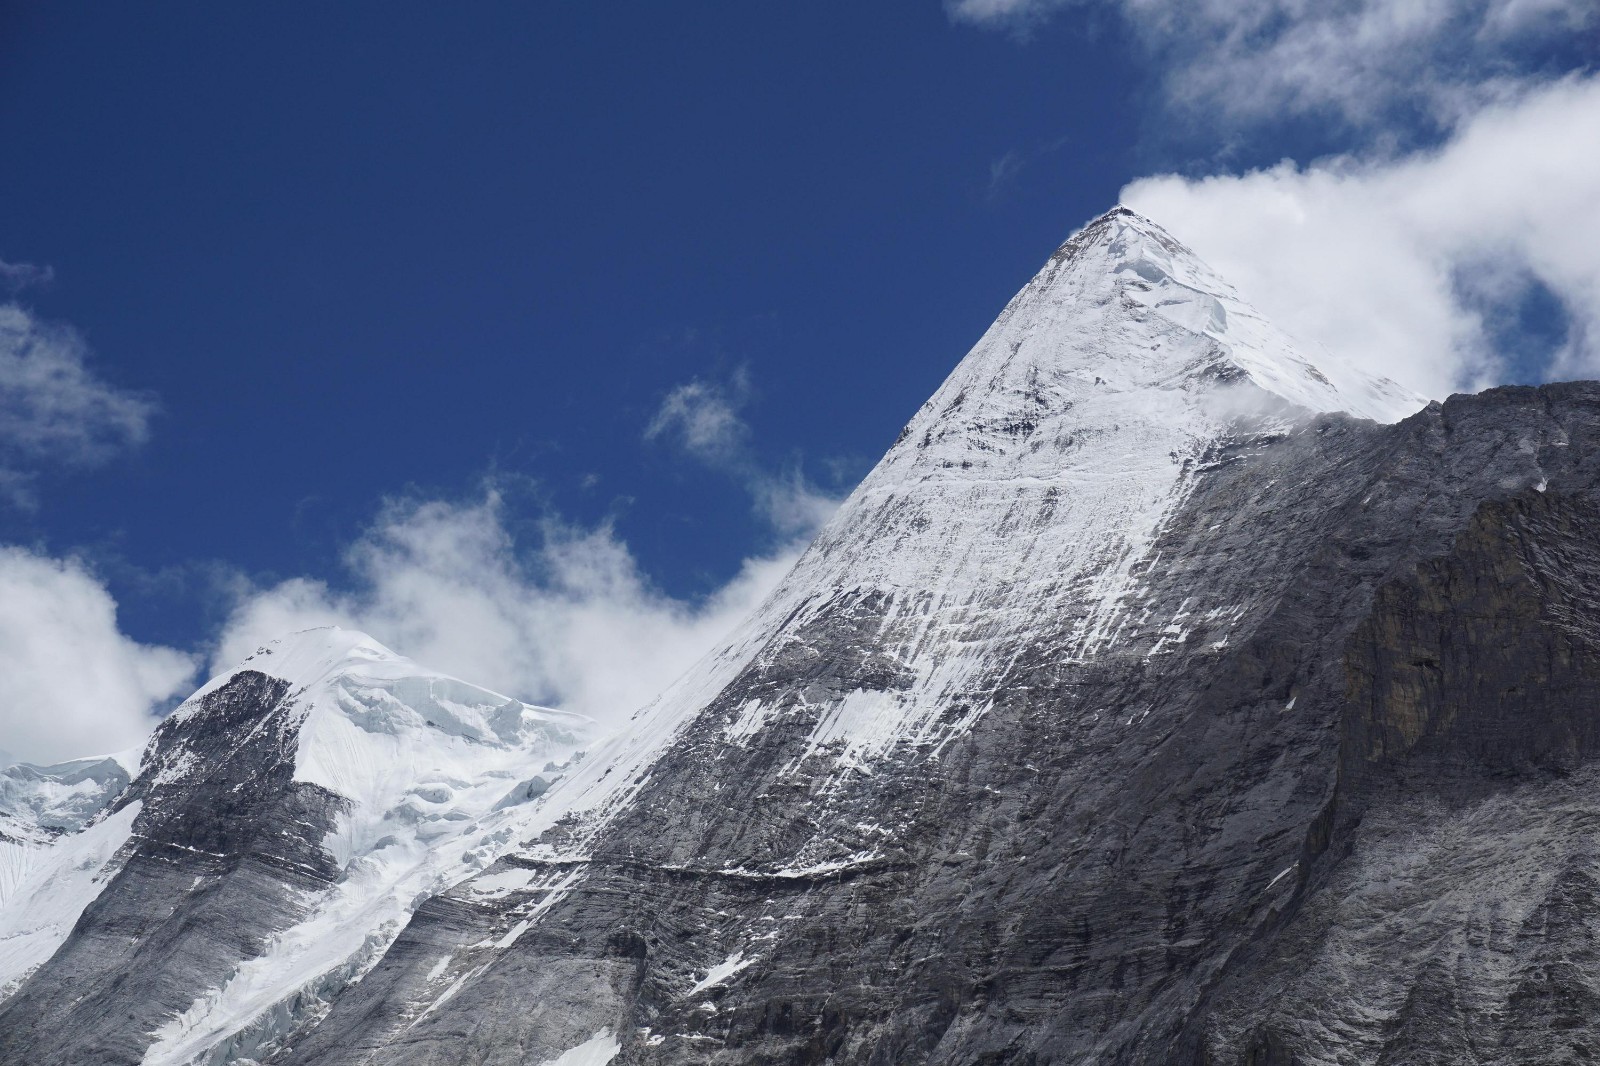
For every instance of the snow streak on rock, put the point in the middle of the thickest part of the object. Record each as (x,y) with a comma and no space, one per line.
(1036,479)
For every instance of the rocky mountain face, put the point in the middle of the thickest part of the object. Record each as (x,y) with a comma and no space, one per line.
(1160,697)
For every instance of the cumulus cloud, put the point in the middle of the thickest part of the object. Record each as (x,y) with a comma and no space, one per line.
(54,410)
(565,618)
(1357,60)
(71,684)
(1410,267)
(702,419)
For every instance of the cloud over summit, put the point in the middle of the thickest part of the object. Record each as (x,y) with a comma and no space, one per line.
(1416,266)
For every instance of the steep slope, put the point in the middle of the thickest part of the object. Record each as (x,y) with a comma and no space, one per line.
(283,823)
(1160,697)
(45,880)
(1004,770)
(1048,749)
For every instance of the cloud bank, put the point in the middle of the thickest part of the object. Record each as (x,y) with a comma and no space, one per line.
(1415,267)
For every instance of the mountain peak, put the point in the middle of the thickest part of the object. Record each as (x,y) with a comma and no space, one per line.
(310,655)
(339,675)
(1123,262)
(1100,397)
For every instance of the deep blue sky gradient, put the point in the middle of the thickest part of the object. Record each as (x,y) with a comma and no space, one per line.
(358,249)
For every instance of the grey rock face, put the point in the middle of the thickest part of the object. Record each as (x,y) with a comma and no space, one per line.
(1359,831)
(210,874)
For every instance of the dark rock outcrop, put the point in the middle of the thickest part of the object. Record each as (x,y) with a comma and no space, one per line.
(225,846)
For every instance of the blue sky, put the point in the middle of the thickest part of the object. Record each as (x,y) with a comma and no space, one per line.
(594,307)
(390,247)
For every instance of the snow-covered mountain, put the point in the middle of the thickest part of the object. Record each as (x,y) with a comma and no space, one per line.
(1161,696)
(48,800)
(283,823)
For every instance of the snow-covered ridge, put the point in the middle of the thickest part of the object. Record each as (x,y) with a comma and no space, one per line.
(1184,290)
(1123,254)
(401,741)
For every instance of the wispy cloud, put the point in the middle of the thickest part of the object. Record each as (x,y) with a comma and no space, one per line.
(55,411)
(702,419)
(1002,171)
(14,277)
(1359,61)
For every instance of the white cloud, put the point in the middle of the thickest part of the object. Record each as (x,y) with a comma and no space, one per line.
(790,503)
(54,410)
(1401,266)
(1357,60)
(568,619)
(703,419)
(71,684)
(564,616)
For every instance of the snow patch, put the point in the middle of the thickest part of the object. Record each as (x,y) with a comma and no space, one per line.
(502,883)
(598,1050)
(752,716)
(722,971)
